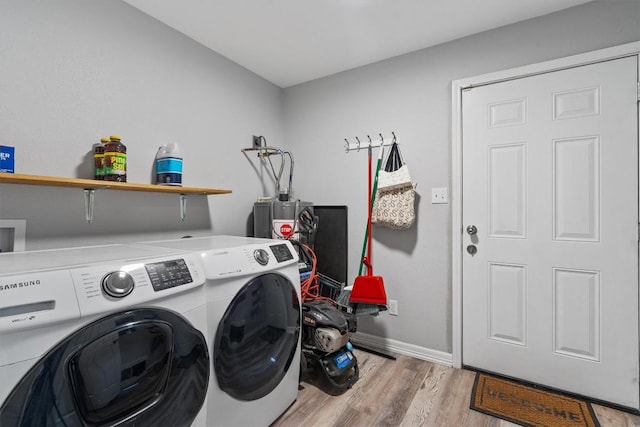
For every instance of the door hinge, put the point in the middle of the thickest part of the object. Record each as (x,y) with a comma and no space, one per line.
(638,91)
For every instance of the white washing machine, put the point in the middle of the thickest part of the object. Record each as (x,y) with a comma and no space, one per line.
(104,335)
(254,315)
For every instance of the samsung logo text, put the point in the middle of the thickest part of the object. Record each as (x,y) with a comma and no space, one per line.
(18,285)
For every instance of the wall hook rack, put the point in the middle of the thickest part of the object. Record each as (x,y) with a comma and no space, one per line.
(356,146)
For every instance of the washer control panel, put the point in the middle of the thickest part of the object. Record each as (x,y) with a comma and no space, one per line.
(43,298)
(168,274)
(101,287)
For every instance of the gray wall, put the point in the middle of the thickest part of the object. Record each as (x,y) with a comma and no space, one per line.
(72,71)
(411,95)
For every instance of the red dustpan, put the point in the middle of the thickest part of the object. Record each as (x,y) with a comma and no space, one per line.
(369,289)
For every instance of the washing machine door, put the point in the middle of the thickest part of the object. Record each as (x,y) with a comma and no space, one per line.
(257,337)
(140,367)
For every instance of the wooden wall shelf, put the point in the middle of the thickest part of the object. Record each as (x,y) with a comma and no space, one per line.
(90,185)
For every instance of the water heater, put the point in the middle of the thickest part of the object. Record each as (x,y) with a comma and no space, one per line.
(288,219)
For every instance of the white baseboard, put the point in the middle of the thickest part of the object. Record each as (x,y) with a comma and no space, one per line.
(386,345)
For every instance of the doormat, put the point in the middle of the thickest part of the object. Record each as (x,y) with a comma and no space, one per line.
(529,406)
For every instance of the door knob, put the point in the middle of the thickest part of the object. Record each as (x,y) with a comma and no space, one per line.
(472,249)
(471,229)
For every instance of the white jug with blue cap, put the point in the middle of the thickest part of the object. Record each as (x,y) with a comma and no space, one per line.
(169,165)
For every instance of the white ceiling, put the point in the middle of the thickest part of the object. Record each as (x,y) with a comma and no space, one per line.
(293,41)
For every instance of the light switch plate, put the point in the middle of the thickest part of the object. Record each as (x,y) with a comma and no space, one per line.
(439,195)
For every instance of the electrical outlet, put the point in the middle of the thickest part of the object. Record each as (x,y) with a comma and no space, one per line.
(256,141)
(439,195)
(393,307)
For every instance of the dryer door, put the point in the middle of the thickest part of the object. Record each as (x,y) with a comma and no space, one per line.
(139,367)
(257,337)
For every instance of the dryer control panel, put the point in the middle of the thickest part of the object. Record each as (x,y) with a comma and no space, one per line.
(281,252)
(249,259)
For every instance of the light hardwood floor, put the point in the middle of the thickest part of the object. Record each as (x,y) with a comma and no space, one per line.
(406,392)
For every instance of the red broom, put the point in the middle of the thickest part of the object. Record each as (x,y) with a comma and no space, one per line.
(368,288)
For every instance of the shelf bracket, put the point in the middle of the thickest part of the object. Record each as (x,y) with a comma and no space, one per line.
(89,195)
(183,206)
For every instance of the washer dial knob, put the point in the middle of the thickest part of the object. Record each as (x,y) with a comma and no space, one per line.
(117,284)
(261,256)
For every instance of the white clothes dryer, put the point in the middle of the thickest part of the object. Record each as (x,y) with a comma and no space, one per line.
(254,315)
(104,335)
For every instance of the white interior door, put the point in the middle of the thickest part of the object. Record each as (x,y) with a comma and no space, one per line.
(550,181)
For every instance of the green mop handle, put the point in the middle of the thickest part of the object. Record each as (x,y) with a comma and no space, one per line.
(373,199)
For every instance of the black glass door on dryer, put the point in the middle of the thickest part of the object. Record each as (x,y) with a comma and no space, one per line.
(143,367)
(257,337)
